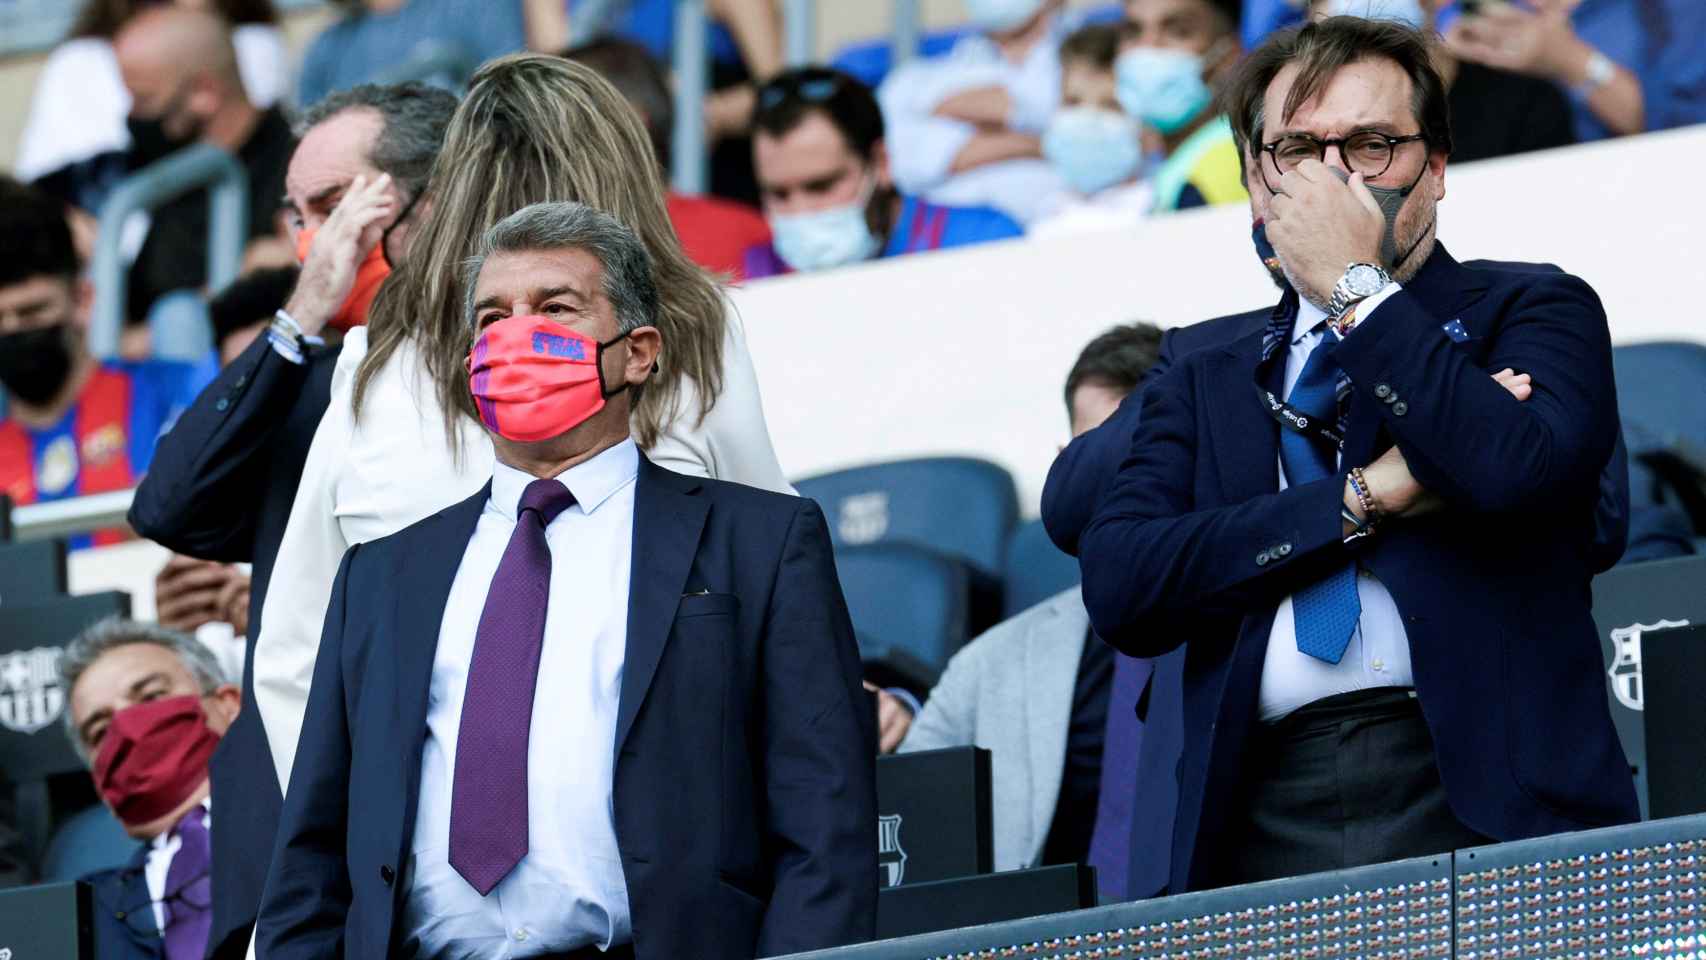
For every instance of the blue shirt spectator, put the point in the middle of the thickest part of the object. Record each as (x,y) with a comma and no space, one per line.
(920,226)
(370,45)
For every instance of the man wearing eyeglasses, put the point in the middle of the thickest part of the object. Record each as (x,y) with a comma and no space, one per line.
(1371,525)
(146,708)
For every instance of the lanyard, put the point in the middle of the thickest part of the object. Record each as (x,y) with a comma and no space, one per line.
(1286,415)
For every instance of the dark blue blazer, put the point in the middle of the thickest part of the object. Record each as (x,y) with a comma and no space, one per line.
(745,746)
(220,487)
(123,922)
(1494,589)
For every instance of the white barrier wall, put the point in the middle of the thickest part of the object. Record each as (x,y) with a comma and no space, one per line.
(966,352)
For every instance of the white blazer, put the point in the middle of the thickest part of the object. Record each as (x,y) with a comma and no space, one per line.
(367,480)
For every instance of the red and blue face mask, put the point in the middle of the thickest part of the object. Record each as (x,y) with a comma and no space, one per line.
(534,379)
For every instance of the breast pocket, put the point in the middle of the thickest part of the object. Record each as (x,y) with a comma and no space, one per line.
(707,605)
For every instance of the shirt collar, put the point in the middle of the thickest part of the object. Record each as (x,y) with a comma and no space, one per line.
(591,481)
(1309,316)
(165,836)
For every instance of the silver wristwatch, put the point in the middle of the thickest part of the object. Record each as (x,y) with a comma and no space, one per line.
(1361,281)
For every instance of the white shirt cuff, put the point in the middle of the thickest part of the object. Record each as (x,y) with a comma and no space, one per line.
(1366,307)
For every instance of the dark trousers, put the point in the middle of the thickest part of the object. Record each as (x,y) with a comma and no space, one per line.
(1346,781)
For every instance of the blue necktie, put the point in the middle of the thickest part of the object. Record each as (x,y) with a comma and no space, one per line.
(1327,610)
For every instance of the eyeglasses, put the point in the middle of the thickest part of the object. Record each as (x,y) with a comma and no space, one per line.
(193,896)
(1369,153)
(812,90)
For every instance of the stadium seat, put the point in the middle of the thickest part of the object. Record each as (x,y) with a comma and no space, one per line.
(960,506)
(1036,569)
(1666,438)
(905,597)
(89,840)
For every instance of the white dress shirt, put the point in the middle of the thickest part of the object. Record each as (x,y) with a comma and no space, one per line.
(922,146)
(1379,651)
(161,850)
(367,480)
(568,891)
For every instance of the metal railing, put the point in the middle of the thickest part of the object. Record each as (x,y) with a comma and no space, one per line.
(65,518)
(154,186)
(691,65)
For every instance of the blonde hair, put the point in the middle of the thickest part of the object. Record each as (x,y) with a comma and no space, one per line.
(532,129)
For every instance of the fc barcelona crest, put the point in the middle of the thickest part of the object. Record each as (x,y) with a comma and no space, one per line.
(891,856)
(1625,669)
(30,695)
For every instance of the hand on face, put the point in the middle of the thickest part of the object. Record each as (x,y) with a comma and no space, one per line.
(339,247)
(1320,225)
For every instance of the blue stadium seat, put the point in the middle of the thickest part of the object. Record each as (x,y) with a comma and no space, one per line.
(87,841)
(1036,569)
(905,597)
(1659,386)
(959,506)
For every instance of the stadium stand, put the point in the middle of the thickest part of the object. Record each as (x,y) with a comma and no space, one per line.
(906,596)
(1035,569)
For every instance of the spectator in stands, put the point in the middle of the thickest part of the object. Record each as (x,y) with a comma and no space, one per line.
(1172,56)
(75,139)
(967,127)
(146,707)
(635,834)
(395,445)
(714,233)
(1097,147)
(374,41)
(1627,65)
(222,486)
(823,170)
(1494,113)
(181,70)
(73,424)
(243,311)
(1351,615)
(1040,691)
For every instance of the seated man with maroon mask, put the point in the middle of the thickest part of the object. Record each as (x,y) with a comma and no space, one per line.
(146,708)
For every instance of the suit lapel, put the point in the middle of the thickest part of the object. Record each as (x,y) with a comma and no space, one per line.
(424,575)
(1245,437)
(669,515)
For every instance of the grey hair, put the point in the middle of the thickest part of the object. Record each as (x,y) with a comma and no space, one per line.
(103,637)
(628,279)
(413,119)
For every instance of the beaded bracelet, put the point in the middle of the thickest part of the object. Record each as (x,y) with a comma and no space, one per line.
(1359,487)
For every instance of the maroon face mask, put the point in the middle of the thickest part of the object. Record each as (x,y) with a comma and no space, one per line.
(153,758)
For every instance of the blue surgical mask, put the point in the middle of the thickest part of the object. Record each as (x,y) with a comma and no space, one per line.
(999,16)
(825,238)
(1407,12)
(1093,149)
(1163,88)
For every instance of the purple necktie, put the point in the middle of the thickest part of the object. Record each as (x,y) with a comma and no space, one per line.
(1110,840)
(187,895)
(488,801)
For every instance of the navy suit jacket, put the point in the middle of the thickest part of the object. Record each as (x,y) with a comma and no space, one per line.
(123,922)
(1494,589)
(745,746)
(220,487)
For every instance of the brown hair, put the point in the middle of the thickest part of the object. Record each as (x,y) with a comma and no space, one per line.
(1097,45)
(1320,49)
(537,128)
(102,18)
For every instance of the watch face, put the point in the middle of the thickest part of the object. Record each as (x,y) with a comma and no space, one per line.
(1364,280)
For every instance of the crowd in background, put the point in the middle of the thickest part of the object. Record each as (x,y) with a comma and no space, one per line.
(280,420)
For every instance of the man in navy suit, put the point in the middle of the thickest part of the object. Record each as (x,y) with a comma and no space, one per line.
(597,709)
(1371,548)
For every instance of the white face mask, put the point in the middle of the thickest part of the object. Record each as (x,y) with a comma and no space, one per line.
(825,238)
(1092,148)
(1407,12)
(999,16)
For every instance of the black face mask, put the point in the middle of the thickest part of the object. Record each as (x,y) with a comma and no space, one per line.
(34,364)
(149,140)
